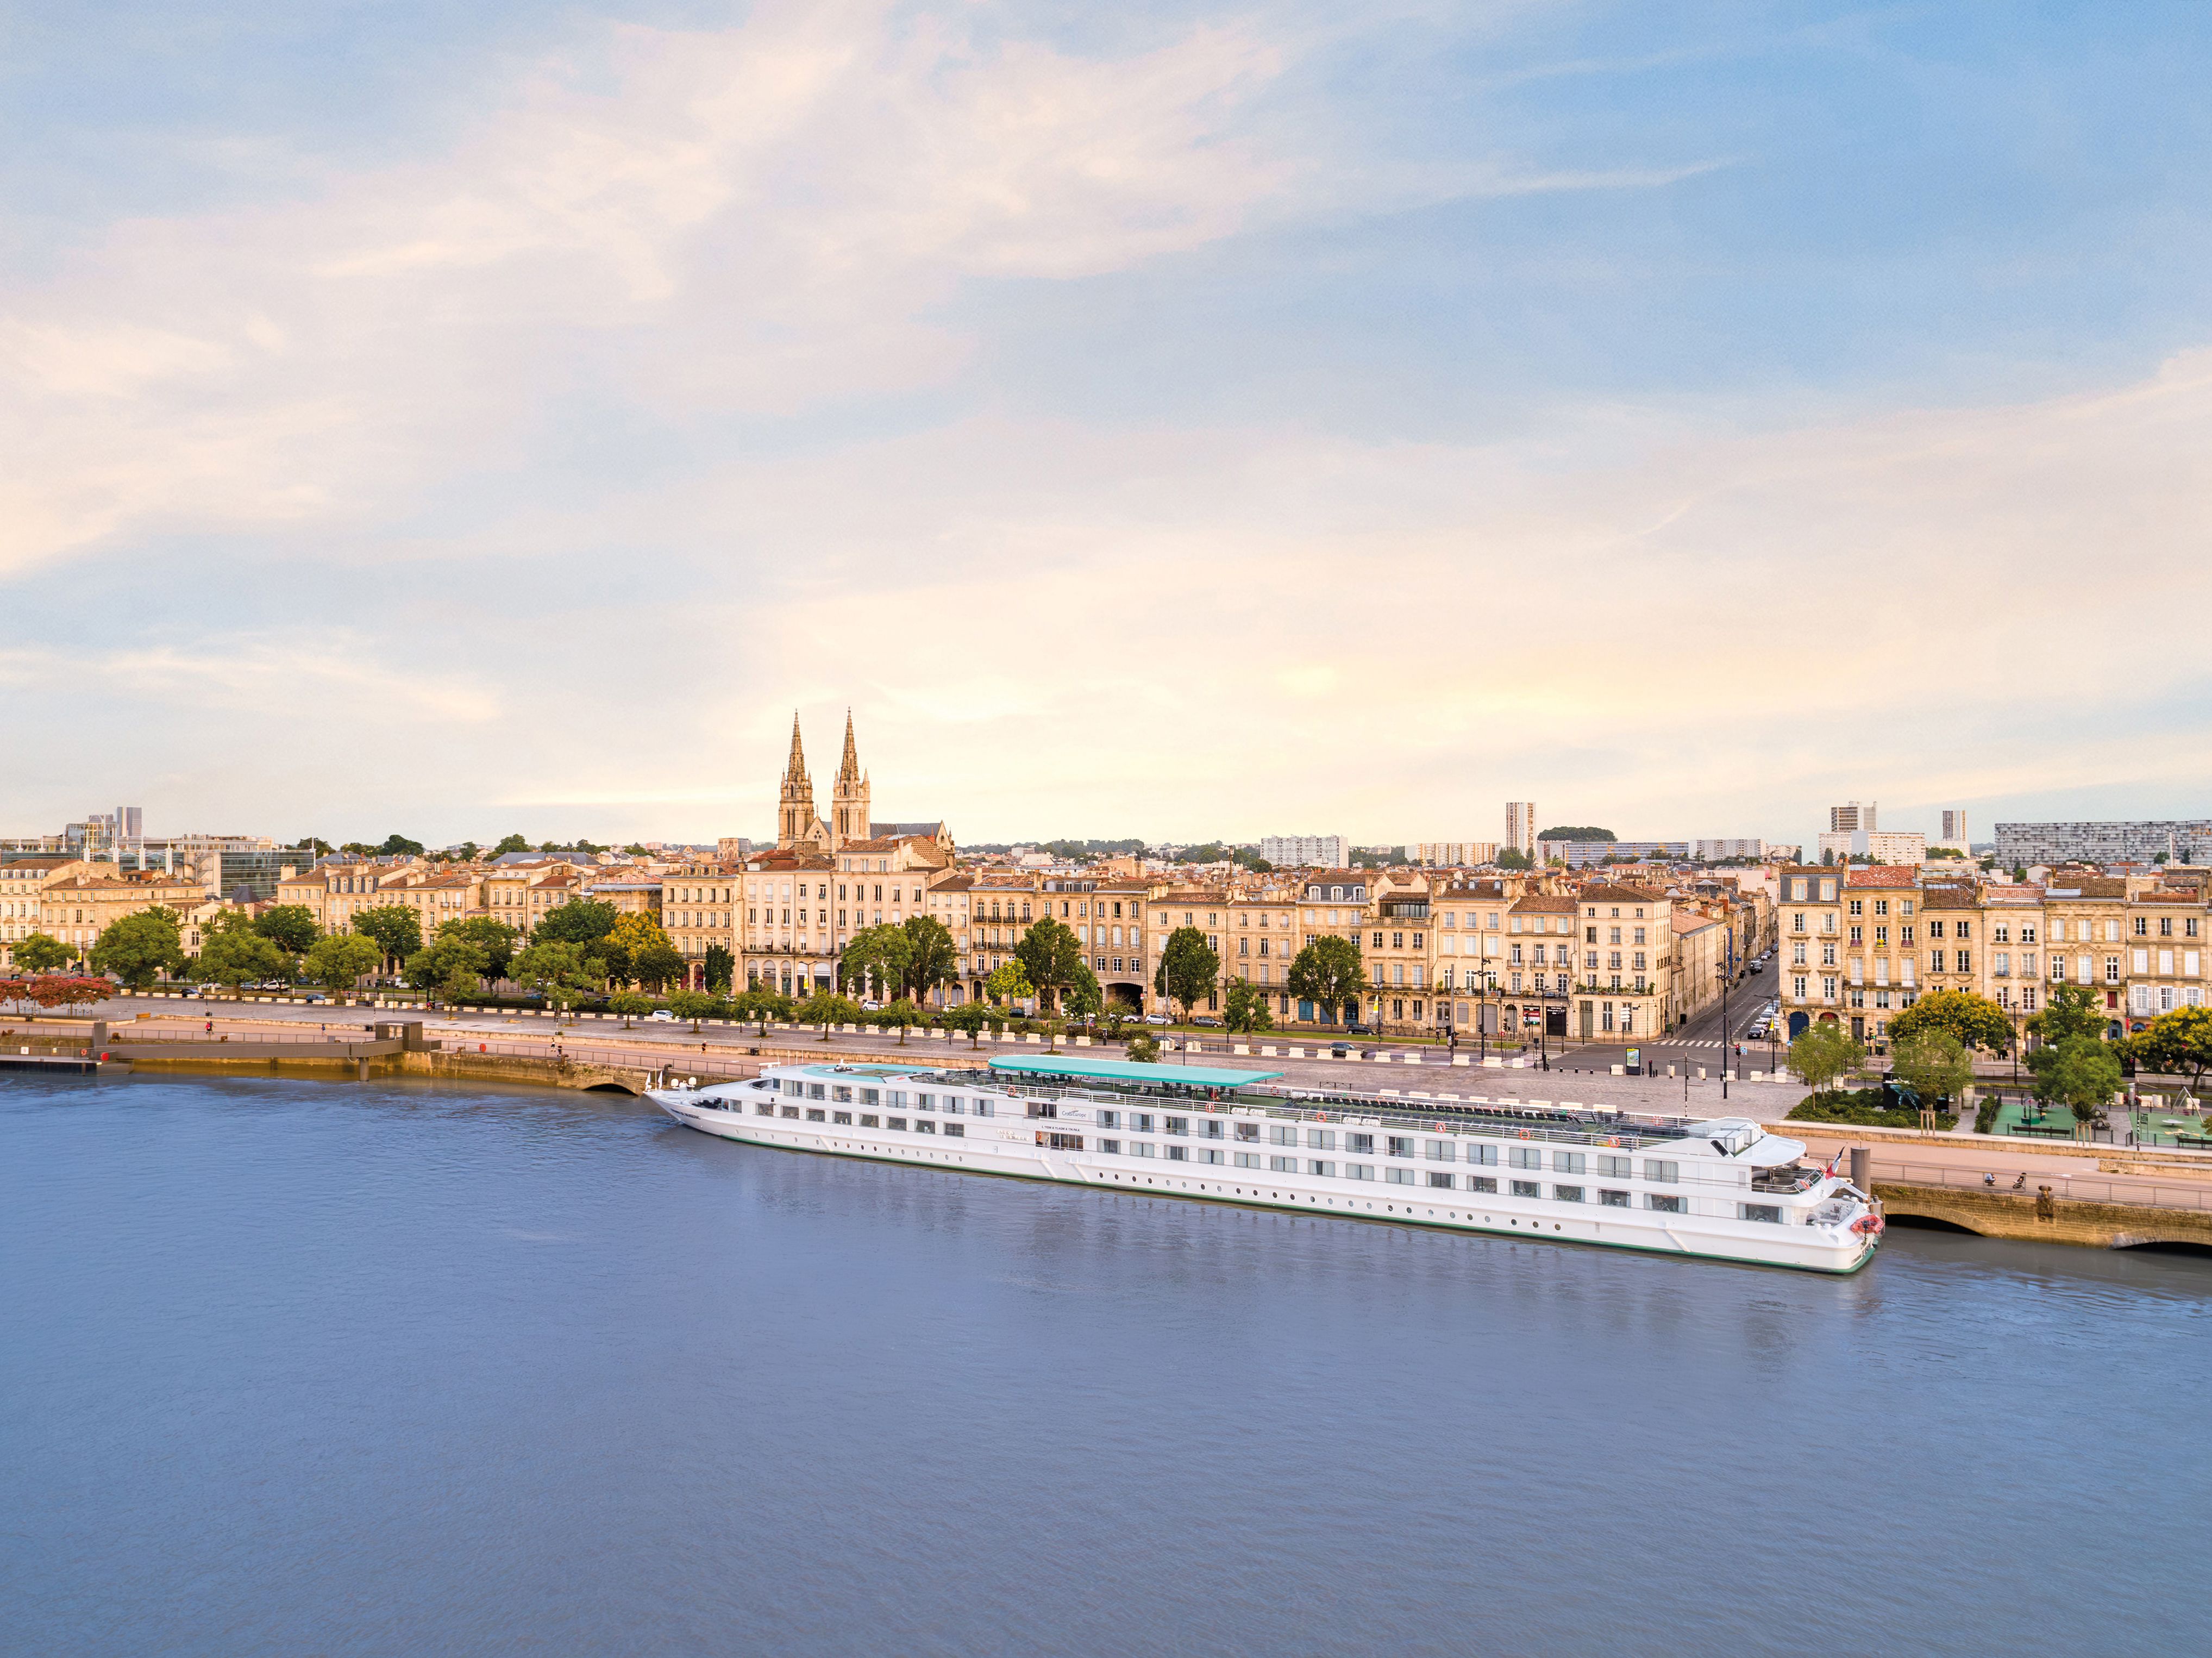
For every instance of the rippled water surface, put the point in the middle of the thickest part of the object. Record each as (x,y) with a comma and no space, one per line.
(291,1368)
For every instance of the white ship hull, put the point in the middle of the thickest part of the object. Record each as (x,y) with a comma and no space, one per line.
(1022,1148)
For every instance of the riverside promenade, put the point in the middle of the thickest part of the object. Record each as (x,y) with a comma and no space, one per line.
(2099,1195)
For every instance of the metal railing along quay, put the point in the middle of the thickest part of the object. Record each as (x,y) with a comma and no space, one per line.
(2088,1188)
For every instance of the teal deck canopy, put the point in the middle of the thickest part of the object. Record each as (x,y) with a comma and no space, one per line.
(1128,1071)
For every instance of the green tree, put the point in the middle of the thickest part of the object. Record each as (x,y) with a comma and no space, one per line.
(466,851)
(140,947)
(2176,1042)
(553,970)
(630,1004)
(398,846)
(41,952)
(877,955)
(1050,957)
(2079,1072)
(1934,1062)
(932,959)
(825,1009)
(289,926)
(1083,996)
(722,969)
(1189,968)
(900,1016)
(692,1005)
(1244,1009)
(396,928)
(658,965)
(1824,1052)
(763,1003)
(235,956)
(1508,859)
(580,922)
(339,961)
(1975,1021)
(510,843)
(494,938)
(1008,984)
(1329,971)
(1577,832)
(447,956)
(1144,1049)
(2071,1011)
(969,1018)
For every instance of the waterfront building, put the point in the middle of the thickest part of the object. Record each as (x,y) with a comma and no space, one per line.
(78,907)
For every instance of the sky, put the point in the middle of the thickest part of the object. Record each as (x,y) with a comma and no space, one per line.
(1177,421)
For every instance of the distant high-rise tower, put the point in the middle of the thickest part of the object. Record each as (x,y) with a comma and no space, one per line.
(1843,819)
(1954,827)
(848,797)
(1520,825)
(795,821)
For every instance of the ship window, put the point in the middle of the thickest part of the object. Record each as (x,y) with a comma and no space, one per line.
(814,1090)
(1484,1154)
(1437,1178)
(1282,1135)
(925,1101)
(1525,1157)
(1141,1122)
(790,1110)
(1439,1151)
(841,1092)
(955,1105)
(1362,1144)
(1567,1194)
(1247,1131)
(1214,1128)
(764,1110)
(1178,1124)
(1481,1183)
(1320,1169)
(1209,1154)
(961,1129)
(1402,1145)
(1665,1203)
(1248,1160)
(1112,1146)
(814,1117)
(1614,1168)
(870,1097)
(923,1125)
(841,1116)
(1359,1171)
(1284,1165)
(1665,1173)
(895,1122)
(1059,1141)
(1769,1213)
(1612,1199)
(869,1122)
(794,1087)
(1398,1176)
(1321,1139)
(1570,1162)
(1110,1120)
(1140,1148)
(1178,1154)
(982,1107)
(1527,1188)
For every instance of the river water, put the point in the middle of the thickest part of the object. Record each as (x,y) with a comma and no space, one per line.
(294,1368)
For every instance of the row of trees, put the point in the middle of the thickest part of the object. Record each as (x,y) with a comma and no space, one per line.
(2074,1063)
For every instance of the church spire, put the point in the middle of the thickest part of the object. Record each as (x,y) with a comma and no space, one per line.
(849,771)
(796,771)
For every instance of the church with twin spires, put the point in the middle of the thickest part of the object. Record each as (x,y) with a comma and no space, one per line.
(850,826)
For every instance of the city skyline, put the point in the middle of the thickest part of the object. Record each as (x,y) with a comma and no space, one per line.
(1422,410)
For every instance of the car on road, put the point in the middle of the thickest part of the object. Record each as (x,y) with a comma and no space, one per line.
(315,1000)
(660,1016)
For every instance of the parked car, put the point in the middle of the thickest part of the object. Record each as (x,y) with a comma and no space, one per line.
(1156,1018)
(1207,1022)
(660,1016)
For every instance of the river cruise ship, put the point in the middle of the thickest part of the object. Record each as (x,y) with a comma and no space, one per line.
(1718,1190)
